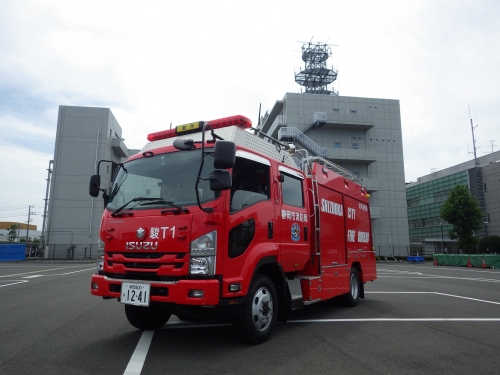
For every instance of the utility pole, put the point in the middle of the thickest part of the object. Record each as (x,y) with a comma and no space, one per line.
(49,172)
(29,219)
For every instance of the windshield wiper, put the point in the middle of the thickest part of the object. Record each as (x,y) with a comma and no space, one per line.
(170,203)
(138,199)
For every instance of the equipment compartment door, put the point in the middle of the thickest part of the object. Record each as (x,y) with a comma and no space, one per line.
(332,231)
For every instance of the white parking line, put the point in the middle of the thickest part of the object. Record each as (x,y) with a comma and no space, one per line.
(14,283)
(398,320)
(35,276)
(441,294)
(39,271)
(136,363)
(411,275)
(447,268)
(69,273)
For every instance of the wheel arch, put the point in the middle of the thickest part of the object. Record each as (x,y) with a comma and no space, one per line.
(269,267)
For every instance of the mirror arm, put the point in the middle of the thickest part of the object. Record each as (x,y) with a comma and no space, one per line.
(205,209)
(107,161)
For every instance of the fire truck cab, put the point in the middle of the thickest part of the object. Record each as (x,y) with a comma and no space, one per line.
(216,219)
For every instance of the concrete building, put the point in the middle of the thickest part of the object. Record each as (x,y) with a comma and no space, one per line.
(362,135)
(84,137)
(428,232)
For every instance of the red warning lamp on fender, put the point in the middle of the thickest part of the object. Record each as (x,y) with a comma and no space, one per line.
(194,127)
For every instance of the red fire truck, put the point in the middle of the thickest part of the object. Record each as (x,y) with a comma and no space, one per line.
(217,219)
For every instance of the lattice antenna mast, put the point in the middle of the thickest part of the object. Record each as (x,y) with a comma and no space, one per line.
(316,76)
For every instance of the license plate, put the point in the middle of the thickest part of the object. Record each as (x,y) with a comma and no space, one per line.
(135,294)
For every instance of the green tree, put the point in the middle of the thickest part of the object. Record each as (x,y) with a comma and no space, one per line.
(489,245)
(462,211)
(12,233)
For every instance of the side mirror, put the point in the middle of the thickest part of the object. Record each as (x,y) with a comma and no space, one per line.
(224,154)
(95,182)
(220,180)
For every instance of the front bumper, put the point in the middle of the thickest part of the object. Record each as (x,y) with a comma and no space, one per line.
(162,291)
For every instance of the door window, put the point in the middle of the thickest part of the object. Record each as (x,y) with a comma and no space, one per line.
(292,191)
(250,183)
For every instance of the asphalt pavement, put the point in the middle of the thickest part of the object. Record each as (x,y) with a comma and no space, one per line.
(415,319)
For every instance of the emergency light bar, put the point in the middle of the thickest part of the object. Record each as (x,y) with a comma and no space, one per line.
(194,127)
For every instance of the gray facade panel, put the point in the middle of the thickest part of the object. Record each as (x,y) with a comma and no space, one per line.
(84,136)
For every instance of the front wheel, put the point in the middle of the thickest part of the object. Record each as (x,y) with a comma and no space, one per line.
(260,312)
(352,298)
(150,317)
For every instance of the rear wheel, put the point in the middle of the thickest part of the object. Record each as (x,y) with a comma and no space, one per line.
(260,312)
(150,317)
(352,298)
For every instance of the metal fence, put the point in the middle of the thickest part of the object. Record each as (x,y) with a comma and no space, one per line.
(65,252)
(388,250)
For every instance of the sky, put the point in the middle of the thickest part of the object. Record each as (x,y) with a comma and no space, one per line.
(159,62)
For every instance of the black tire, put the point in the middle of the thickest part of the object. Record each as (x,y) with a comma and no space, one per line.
(146,318)
(260,313)
(351,299)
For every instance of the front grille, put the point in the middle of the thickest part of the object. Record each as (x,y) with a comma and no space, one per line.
(143,276)
(140,255)
(145,265)
(142,265)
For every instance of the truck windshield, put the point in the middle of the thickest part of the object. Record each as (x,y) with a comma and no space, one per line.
(169,177)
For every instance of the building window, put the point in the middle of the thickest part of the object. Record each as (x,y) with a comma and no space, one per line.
(413,202)
(336,144)
(354,146)
(484,187)
(488,218)
(335,110)
(353,111)
(148,191)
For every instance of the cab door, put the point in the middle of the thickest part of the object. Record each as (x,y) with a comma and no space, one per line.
(294,220)
(250,224)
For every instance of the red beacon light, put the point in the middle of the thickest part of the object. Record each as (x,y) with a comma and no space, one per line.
(194,127)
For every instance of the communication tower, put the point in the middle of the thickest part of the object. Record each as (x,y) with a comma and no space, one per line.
(316,76)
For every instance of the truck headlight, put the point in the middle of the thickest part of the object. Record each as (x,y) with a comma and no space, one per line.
(202,251)
(100,256)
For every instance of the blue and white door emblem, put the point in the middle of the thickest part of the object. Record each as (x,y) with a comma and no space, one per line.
(295,232)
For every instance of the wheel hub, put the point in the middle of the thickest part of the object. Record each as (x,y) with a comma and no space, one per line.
(262,309)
